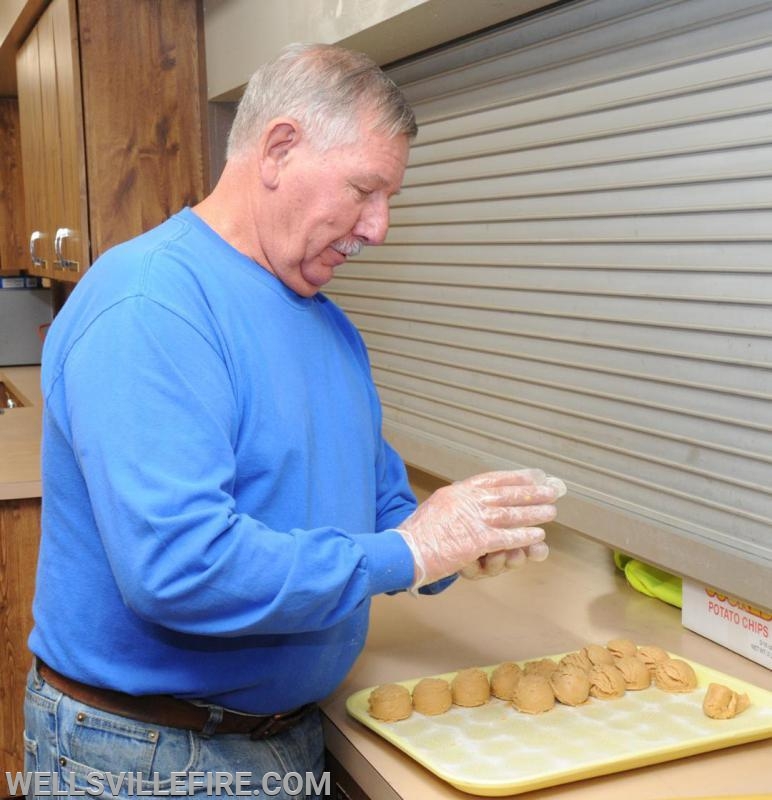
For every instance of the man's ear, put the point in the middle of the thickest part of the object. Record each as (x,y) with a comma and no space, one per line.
(281,135)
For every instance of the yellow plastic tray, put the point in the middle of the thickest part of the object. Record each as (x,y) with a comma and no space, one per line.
(494,750)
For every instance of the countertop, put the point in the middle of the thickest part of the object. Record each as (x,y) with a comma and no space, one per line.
(574,598)
(20,435)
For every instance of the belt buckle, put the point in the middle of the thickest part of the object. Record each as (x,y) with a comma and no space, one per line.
(276,723)
(265,728)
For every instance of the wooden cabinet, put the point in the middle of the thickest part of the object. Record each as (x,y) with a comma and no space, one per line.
(111,105)
(52,145)
(12,225)
(19,535)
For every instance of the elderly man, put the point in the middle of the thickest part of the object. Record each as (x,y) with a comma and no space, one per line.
(219,503)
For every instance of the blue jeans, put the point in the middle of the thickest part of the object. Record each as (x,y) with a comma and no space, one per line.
(87,752)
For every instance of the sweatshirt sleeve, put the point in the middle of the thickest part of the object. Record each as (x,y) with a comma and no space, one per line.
(152,425)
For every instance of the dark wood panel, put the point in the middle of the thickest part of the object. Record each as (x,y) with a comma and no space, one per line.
(141,66)
(19,537)
(12,218)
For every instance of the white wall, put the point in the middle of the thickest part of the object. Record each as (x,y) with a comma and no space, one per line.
(241,34)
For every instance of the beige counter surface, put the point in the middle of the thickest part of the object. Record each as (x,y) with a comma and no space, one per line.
(20,435)
(574,598)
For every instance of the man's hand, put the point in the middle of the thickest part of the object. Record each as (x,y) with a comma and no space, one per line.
(492,564)
(491,513)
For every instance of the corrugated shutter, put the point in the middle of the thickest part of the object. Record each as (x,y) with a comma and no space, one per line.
(578,274)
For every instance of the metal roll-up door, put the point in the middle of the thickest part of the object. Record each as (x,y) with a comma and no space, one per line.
(578,274)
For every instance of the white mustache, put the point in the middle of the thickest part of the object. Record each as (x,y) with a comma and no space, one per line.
(348,247)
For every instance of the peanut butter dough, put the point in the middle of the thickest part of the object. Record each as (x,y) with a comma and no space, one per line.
(593,671)
(432,696)
(390,702)
(541,666)
(606,681)
(722,703)
(598,654)
(533,694)
(622,647)
(674,675)
(570,684)
(504,679)
(635,672)
(651,655)
(470,687)
(577,659)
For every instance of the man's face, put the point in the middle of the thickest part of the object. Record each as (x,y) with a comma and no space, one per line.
(328,205)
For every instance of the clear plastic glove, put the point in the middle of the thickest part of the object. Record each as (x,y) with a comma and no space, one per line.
(487,513)
(492,564)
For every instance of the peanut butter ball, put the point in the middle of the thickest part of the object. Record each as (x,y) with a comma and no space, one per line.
(390,702)
(597,654)
(622,647)
(504,679)
(635,672)
(470,687)
(651,655)
(577,659)
(674,675)
(533,694)
(570,684)
(721,702)
(606,682)
(432,696)
(541,666)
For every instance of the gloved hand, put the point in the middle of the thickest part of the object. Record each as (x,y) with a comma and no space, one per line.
(492,564)
(490,512)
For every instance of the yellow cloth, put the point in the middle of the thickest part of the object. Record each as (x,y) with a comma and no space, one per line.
(650,580)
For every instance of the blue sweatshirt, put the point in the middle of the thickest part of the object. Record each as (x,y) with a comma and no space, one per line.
(217,495)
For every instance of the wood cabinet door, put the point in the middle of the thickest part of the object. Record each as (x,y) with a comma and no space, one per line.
(71,243)
(53,152)
(35,168)
(19,537)
(144,112)
(13,252)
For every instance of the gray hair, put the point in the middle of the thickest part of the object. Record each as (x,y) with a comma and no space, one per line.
(327,89)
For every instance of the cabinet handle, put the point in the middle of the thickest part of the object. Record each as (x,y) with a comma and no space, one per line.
(37,261)
(61,235)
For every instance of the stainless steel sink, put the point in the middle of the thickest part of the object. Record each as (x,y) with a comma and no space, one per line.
(8,398)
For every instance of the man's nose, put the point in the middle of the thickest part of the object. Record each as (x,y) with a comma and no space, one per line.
(373,223)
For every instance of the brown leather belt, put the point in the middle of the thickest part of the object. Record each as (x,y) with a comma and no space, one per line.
(171,711)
